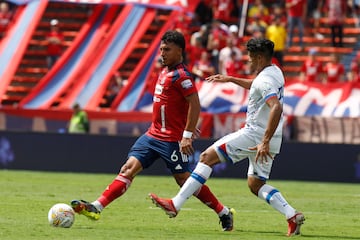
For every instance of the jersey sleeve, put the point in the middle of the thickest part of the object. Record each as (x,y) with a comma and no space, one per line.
(186,85)
(267,88)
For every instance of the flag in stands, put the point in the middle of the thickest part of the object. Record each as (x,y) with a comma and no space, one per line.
(167,4)
(301,99)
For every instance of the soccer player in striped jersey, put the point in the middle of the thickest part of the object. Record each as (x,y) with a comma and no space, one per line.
(176,109)
(259,141)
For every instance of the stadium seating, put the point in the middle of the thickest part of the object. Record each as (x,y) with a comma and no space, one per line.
(295,56)
(33,64)
(72,17)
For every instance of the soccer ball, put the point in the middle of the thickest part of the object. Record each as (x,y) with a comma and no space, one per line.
(61,215)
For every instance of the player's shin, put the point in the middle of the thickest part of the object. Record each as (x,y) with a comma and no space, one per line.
(273,197)
(117,188)
(198,177)
(207,197)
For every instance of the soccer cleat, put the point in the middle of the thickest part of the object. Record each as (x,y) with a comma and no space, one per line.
(295,223)
(227,221)
(85,208)
(165,204)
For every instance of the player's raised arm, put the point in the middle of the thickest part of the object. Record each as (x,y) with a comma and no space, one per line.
(243,82)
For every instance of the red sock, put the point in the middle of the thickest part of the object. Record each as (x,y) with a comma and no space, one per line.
(208,198)
(117,188)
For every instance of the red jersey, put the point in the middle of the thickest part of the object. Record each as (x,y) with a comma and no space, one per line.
(298,9)
(55,49)
(234,68)
(311,69)
(170,107)
(220,36)
(194,54)
(222,9)
(336,11)
(334,71)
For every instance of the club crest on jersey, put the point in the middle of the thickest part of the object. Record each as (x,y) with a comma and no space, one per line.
(186,84)
(158,89)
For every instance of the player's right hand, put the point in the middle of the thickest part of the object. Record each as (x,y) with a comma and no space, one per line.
(186,146)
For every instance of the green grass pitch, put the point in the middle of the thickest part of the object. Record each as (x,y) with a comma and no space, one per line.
(332,210)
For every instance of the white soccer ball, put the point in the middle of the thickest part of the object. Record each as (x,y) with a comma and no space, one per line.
(61,215)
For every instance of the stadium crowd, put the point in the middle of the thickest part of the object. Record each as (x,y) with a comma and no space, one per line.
(215,44)
(6,17)
(215,37)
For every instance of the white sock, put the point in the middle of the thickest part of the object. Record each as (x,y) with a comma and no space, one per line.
(197,178)
(273,197)
(98,205)
(224,211)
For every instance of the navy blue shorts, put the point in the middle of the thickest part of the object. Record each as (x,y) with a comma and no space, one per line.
(147,150)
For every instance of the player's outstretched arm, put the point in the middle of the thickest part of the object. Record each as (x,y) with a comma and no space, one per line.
(243,82)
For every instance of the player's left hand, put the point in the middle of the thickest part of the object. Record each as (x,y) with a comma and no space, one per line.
(186,146)
(262,152)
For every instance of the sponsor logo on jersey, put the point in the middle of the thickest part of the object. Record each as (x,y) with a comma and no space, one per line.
(186,84)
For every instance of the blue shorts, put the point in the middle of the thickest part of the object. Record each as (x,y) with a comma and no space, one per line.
(147,150)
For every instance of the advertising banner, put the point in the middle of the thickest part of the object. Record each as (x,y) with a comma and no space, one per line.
(327,130)
(105,154)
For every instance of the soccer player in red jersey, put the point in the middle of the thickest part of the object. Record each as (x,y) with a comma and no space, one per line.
(176,109)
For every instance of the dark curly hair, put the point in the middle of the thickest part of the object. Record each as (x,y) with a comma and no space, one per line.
(175,37)
(262,46)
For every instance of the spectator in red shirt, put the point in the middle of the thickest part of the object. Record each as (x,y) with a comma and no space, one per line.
(334,70)
(195,51)
(234,67)
(354,73)
(311,70)
(225,55)
(182,23)
(55,43)
(6,16)
(203,67)
(222,10)
(296,14)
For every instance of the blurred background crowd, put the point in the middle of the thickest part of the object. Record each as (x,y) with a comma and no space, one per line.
(313,29)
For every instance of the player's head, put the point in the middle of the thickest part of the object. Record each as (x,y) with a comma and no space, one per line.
(260,52)
(76,107)
(172,47)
